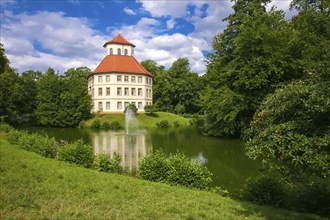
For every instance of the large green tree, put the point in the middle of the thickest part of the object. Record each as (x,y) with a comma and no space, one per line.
(251,58)
(177,89)
(62,100)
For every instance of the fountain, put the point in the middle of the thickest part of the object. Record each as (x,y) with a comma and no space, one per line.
(130,113)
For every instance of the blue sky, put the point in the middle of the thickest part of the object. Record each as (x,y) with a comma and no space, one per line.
(63,34)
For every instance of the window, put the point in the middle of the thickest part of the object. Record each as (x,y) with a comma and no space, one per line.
(126,51)
(126,92)
(139,92)
(126,78)
(107,78)
(140,79)
(111,51)
(100,79)
(119,105)
(119,51)
(119,91)
(133,79)
(108,90)
(118,78)
(126,104)
(100,91)
(147,92)
(139,105)
(133,92)
(100,106)
(107,105)
(134,103)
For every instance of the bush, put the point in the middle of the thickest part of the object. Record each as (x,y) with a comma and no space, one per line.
(105,126)
(115,126)
(96,124)
(150,109)
(163,124)
(313,197)
(14,136)
(78,153)
(177,169)
(154,167)
(103,162)
(82,124)
(263,190)
(5,127)
(176,124)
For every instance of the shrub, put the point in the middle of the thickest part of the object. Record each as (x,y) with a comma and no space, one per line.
(96,124)
(263,190)
(154,167)
(78,153)
(177,169)
(176,124)
(105,126)
(115,125)
(163,124)
(5,127)
(103,162)
(14,136)
(150,109)
(82,124)
(313,197)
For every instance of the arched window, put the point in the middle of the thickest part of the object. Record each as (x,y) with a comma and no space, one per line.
(126,51)
(111,51)
(119,51)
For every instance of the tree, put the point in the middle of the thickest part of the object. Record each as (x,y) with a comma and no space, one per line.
(4,62)
(178,85)
(252,57)
(291,130)
(63,101)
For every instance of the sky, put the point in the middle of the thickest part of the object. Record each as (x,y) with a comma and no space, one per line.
(63,34)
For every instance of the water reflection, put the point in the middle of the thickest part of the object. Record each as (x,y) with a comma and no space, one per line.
(132,148)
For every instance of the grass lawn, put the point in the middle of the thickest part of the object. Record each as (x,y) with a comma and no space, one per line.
(143,120)
(33,187)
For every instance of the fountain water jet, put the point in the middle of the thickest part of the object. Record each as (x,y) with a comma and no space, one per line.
(130,113)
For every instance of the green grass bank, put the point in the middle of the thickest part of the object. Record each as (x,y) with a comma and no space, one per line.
(34,187)
(142,120)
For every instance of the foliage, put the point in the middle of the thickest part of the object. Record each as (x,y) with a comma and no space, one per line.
(177,85)
(176,169)
(313,198)
(290,132)
(37,143)
(150,109)
(5,128)
(105,126)
(68,103)
(78,153)
(263,190)
(104,163)
(96,124)
(179,109)
(115,125)
(251,58)
(163,124)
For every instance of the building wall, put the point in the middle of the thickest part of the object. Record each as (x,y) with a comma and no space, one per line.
(124,89)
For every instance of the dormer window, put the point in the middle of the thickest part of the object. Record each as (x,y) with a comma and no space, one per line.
(126,51)
(111,51)
(119,51)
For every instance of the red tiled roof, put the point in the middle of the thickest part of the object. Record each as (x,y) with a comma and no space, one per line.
(121,64)
(118,40)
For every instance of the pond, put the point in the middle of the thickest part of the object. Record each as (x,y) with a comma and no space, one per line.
(225,158)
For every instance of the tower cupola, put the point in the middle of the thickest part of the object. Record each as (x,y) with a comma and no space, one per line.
(118,46)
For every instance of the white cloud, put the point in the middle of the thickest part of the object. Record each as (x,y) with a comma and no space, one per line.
(165,8)
(129,11)
(58,41)
(170,23)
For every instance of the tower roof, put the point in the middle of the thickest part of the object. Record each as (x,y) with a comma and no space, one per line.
(121,64)
(118,40)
